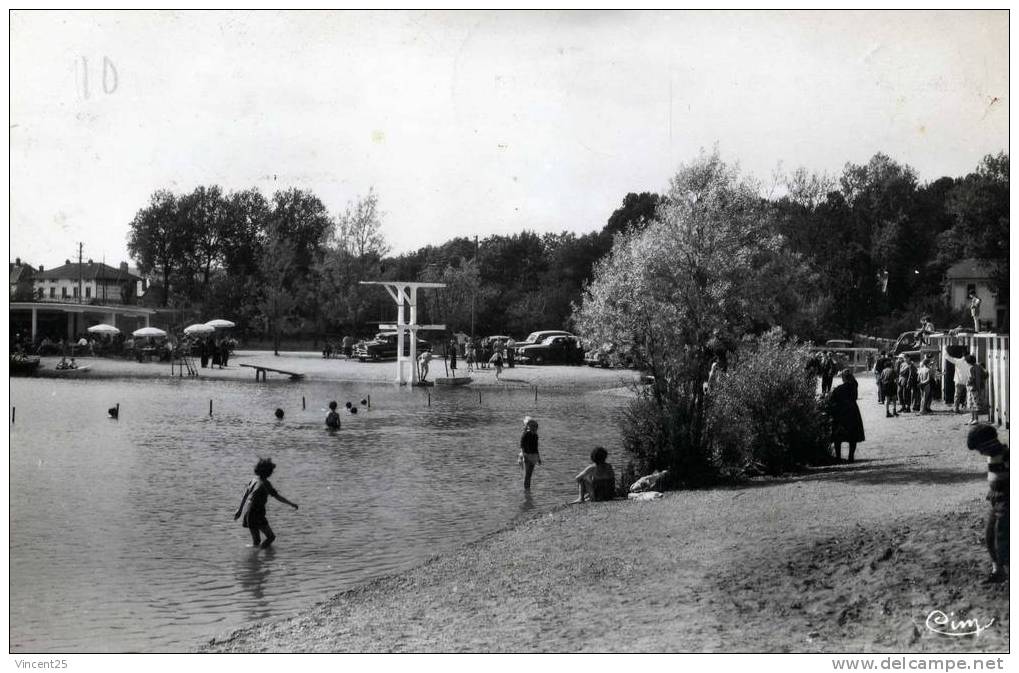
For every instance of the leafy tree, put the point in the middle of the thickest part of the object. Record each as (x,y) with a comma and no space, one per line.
(978,206)
(359,228)
(203,217)
(277,298)
(246,215)
(675,293)
(157,241)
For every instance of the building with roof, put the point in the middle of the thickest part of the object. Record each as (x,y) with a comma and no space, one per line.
(22,287)
(87,283)
(971,275)
(65,301)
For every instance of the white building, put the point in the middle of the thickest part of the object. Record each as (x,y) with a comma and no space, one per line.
(970,275)
(86,283)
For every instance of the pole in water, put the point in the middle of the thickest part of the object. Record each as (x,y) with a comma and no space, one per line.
(14,412)
(210,407)
(369,401)
(429,398)
(535,393)
(304,403)
(479,398)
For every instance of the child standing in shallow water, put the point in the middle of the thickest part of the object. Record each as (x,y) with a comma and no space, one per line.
(529,449)
(256,495)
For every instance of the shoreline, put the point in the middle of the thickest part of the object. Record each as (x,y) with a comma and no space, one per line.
(846,558)
(316,368)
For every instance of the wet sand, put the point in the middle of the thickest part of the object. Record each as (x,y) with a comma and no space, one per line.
(847,558)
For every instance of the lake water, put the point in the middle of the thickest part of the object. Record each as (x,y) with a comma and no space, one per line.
(122,535)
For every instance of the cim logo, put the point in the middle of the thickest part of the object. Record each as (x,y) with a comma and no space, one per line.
(948,625)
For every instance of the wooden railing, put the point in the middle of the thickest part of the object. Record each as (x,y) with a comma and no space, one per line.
(991,350)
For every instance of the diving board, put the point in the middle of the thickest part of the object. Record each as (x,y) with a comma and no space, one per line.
(261,371)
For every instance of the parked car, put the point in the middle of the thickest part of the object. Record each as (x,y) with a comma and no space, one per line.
(537,337)
(383,346)
(561,349)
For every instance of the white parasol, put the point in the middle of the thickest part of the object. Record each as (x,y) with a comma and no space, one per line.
(103,329)
(148,332)
(219,323)
(199,328)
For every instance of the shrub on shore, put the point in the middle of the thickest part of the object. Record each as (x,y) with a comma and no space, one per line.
(762,415)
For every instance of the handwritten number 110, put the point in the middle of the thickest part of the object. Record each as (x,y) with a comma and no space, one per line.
(108,76)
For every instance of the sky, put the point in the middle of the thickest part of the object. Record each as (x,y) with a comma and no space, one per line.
(473,123)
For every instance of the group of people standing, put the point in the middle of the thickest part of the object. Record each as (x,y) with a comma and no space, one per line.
(216,352)
(904,385)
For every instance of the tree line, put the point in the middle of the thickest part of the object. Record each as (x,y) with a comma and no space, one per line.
(863,251)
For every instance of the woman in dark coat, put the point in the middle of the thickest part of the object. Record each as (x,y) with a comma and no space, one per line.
(846,422)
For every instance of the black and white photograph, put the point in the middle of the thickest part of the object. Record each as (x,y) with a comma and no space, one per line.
(509,332)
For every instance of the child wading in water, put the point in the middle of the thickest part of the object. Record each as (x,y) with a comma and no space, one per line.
(256,495)
(333,418)
(529,449)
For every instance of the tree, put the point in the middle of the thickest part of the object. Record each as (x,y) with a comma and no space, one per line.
(359,228)
(978,205)
(276,267)
(684,290)
(203,215)
(156,240)
(246,215)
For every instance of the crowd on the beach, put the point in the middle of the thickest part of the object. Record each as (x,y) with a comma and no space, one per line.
(908,386)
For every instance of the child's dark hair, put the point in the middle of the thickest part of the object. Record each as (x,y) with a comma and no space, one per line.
(971,359)
(264,467)
(598,455)
(332,405)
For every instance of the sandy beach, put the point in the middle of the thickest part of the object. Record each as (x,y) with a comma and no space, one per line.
(847,558)
(316,368)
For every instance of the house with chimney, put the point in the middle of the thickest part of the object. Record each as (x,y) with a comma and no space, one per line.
(87,283)
(22,287)
(65,301)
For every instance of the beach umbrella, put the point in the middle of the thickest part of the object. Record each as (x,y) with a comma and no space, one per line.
(103,329)
(219,322)
(148,332)
(199,328)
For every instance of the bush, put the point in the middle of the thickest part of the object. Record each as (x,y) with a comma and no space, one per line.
(762,415)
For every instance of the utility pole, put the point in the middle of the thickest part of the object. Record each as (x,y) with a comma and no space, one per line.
(475,293)
(80,291)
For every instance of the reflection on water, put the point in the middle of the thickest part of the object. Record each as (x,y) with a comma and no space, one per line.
(122,531)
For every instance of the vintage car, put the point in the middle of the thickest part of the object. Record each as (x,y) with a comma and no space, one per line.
(559,349)
(383,346)
(537,337)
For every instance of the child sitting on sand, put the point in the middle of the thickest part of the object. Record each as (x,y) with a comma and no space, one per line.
(598,480)
(256,495)
(984,439)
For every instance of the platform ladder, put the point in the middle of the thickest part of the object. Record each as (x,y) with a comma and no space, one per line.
(184,364)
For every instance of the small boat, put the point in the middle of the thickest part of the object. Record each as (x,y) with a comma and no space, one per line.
(24,365)
(454,381)
(73,371)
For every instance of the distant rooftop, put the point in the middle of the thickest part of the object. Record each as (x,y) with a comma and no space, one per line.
(88,271)
(969,269)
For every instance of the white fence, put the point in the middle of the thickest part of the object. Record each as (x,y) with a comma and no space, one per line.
(991,350)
